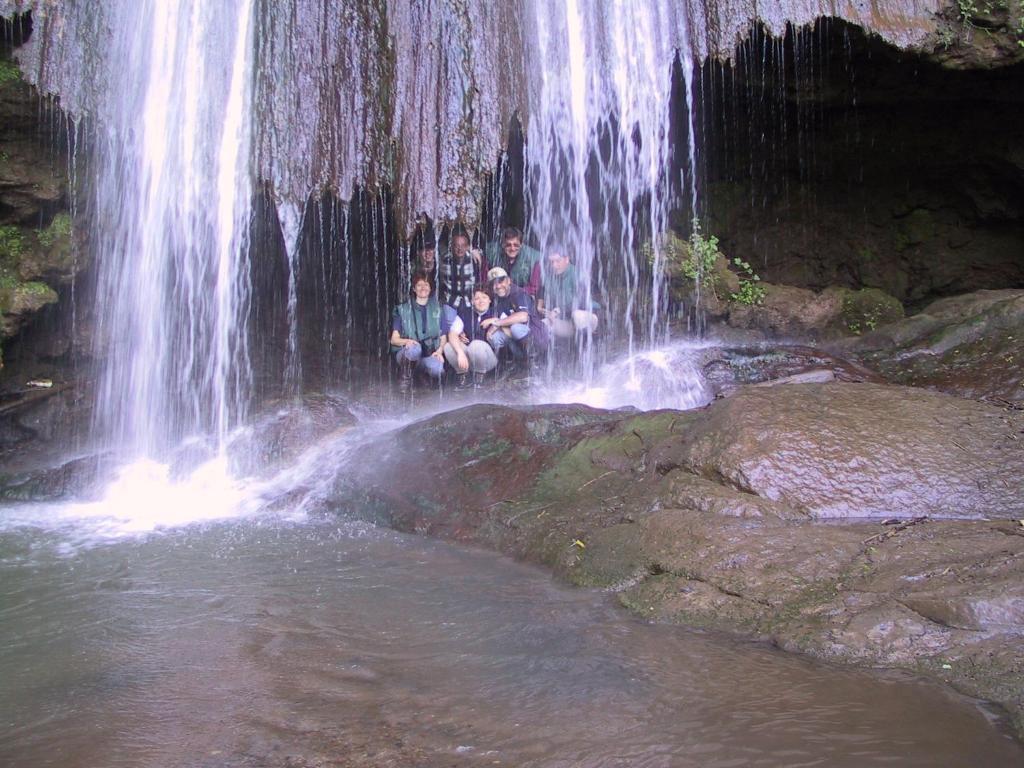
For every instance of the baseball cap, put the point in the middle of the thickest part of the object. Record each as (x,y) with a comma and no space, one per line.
(497,274)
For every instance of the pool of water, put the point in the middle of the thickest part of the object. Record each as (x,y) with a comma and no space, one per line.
(274,641)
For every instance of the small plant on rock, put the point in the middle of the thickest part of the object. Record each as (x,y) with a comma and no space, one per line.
(866,309)
(59,228)
(750,292)
(9,72)
(12,242)
(992,16)
(693,259)
(703,251)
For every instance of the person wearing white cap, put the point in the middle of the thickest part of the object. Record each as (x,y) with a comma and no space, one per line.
(509,326)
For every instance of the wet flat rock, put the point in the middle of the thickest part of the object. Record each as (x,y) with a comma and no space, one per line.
(967,345)
(859,450)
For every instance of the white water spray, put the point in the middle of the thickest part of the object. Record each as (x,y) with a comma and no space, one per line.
(172,189)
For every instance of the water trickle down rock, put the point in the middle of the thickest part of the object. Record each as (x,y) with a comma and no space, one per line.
(418,95)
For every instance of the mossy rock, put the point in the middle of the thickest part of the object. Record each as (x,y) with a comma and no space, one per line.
(31,261)
(9,72)
(12,244)
(867,309)
(19,301)
(609,557)
(57,233)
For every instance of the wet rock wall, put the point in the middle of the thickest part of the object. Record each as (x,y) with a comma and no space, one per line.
(833,158)
(418,96)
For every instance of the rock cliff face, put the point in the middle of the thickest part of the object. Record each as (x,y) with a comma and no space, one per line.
(835,159)
(382,92)
(37,255)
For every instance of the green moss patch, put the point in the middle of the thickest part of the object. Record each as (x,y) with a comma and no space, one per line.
(12,243)
(9,72)
(868,308)
(59,229)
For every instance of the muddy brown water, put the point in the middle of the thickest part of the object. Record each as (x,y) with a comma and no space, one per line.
(273,642)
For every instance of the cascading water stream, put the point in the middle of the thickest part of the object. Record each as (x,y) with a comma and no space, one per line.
(600,175)
(172,187)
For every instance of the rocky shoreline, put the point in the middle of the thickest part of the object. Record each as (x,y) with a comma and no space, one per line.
(810,504)
(864,524)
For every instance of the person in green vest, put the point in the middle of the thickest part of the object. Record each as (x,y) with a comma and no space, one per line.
(563,301)
(419,331)
(521,262)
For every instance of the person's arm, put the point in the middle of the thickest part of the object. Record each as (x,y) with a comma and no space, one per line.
(583,301)
(439,352)
(457,329)
(520,317)
(455,339)
(398,341)
(449,320)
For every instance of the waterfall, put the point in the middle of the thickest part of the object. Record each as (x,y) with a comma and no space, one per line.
(600,151)
(172,187)
(192,105)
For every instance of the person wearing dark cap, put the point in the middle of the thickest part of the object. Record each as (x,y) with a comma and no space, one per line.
(426,260)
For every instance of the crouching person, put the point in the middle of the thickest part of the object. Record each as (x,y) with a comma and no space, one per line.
(467,350)
(419,331)
(513,324)
(563,302)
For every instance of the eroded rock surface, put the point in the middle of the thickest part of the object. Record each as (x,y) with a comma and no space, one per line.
(285,430)
(862,451)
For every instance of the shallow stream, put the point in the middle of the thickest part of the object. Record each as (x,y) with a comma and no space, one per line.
(313,641)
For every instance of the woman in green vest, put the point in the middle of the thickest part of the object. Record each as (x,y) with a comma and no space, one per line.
(419,330)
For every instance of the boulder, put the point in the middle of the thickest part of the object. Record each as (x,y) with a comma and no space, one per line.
(727,367)
(969,345)
(862,450)
(790,312)
(75,478)
(279,435)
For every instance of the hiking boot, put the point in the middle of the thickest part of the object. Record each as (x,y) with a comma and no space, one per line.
(462,382)
(404,378)
(478,379)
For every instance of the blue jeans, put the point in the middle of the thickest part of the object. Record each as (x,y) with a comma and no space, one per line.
(427,363)
(511,334)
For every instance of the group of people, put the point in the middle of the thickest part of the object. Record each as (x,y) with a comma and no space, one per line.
(490,311)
